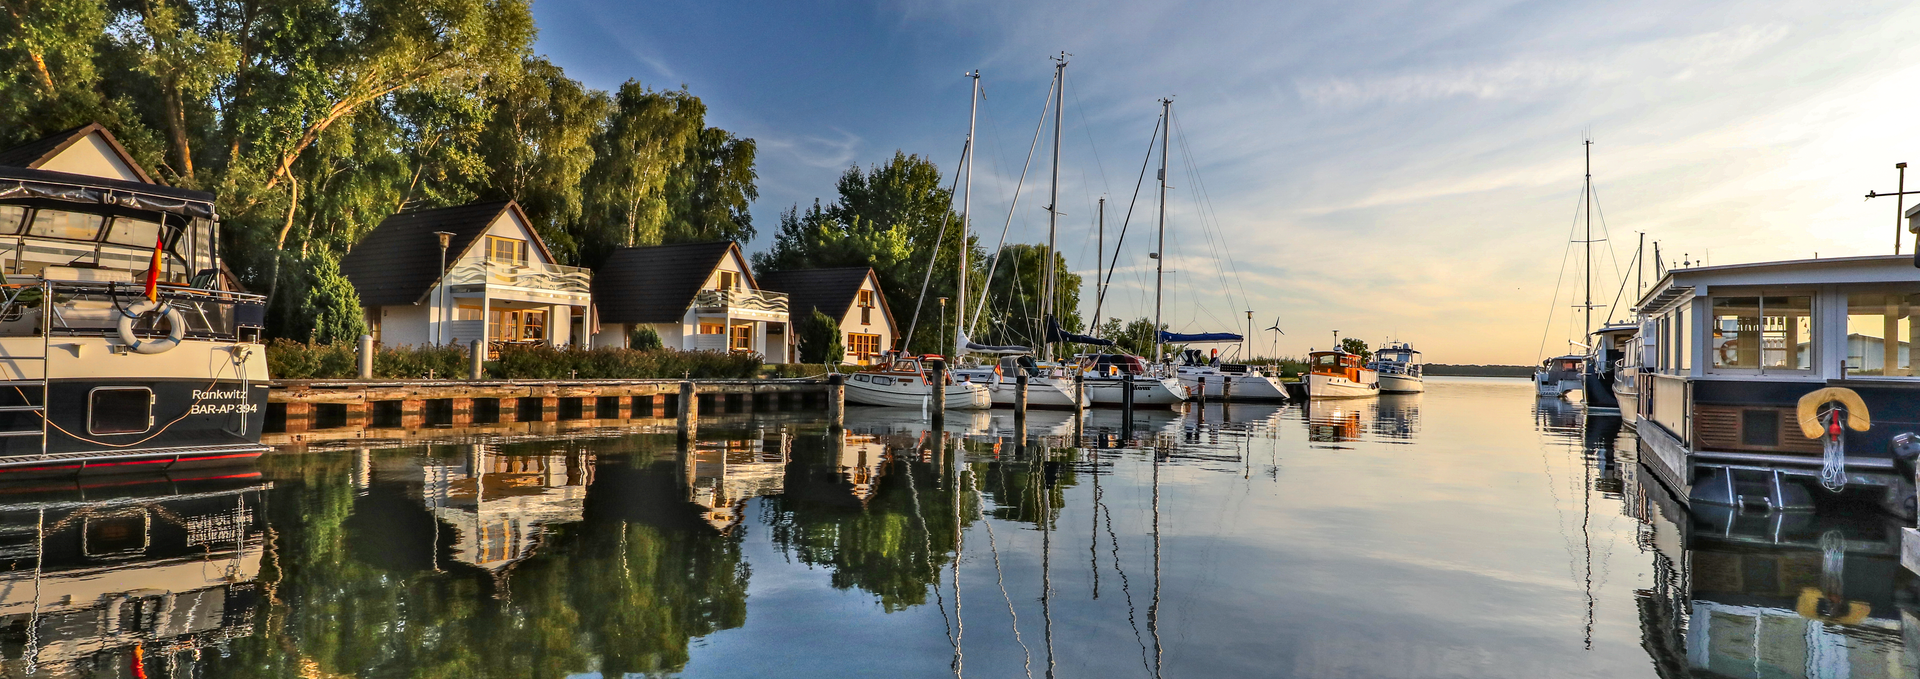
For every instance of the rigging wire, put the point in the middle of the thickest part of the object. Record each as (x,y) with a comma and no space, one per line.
(1101,296)
(1203,207)
(1557,281)
(1001,248)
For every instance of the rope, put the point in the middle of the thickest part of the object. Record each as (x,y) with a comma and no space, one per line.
(1833,462)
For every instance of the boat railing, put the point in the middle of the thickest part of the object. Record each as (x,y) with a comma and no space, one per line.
(84,309)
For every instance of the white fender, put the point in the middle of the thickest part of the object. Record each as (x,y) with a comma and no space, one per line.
(176,328)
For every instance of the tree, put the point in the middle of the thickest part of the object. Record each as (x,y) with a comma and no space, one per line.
(338,316)
(539,144)
(1355,345)
(1135,337)
(708,194)
(644,337)
(820,342)
(1014,297)
(644,138)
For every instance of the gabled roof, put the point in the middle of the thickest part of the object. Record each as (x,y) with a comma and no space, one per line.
(832,291)
(35,154)
(657,284)
(399,262)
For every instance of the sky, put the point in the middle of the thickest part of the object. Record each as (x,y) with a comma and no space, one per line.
(1403,170)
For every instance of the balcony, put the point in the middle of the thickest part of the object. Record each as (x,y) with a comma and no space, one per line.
(756,304)
(534,281)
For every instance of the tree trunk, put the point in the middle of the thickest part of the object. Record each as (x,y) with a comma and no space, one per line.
(177,128)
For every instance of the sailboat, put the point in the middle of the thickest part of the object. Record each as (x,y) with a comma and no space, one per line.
(1561,375)
(904,381)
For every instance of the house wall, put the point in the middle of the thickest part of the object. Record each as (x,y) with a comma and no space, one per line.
(91,156)
(875,323)
(402,326)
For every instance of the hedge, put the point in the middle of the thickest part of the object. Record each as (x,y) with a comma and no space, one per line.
(287,359)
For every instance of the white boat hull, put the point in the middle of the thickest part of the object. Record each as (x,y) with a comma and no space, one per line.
(1544,385)
(914,395)
(1147,391)
(1401,384)
(1042,392)
(1329,386)
(1245,387)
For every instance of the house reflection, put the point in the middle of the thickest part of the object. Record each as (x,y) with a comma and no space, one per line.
(153,573)
(721,476)
(498,504)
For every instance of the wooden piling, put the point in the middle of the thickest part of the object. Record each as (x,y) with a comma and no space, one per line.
(937,392)
(476,360)
(689,410)
(836,400)
(1020,394)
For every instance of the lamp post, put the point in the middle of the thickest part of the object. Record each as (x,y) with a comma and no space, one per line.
(943,328)
(1246,343)
(446,239)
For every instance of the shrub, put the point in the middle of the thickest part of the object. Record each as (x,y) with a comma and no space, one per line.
(820,339)
(421,362)
(644,338)
(291,360)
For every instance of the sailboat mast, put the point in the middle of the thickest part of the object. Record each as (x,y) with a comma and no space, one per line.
(1053,201)
(966,218)
(1160,248)
(1587,267)
(1099,257)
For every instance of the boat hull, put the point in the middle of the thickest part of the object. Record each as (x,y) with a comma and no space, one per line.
(1545,384)
(1401,384)
(958,396)
(1042,392)
(1332,386)
(1233,387)
(1147,392)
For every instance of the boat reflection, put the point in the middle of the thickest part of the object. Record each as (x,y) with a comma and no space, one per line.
(136,581)
(1397,416)
(1334,421)
(1557,416)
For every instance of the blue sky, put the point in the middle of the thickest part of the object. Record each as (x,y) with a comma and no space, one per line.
(1401,169)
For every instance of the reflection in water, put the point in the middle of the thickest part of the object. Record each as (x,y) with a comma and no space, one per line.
(1229,540)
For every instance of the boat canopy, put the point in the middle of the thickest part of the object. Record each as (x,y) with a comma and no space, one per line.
(1055,334)
(968,346)
(1198,337)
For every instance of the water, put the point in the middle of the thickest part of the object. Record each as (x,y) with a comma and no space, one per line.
(1472,531)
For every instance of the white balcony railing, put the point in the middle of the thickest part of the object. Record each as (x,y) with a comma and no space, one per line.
(744,300)
(533,275)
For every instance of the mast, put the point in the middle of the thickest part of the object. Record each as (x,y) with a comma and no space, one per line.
(1160,248)
(966,220)
(1587,266)
(1099,257)
(1053,201)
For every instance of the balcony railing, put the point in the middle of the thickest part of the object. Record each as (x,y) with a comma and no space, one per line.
(749,300)
(534,275)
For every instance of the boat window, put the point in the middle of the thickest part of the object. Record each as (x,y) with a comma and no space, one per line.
(861,378)
(1326,361)
(67,225)
(1880,333)
(1736,332)
(882,380)
(1786,331)
(11,217)
(1682,344)
(120,410)
(133,232)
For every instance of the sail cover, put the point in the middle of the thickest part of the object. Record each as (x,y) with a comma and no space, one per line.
(1055,334)
(968,346)
(1198,337)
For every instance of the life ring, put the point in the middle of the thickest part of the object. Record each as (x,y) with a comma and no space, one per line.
(176,328)
(1807,411)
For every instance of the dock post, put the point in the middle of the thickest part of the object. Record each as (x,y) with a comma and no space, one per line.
(836,401)
(1126,408)
(1202,395)
(1126,394)
(689,411)
(937,392)
(1226,388)
(476,360)
(1020,394)
(366,357)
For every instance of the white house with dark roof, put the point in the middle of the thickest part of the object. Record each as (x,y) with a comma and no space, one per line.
(850,295)
(696,296)
(497,281)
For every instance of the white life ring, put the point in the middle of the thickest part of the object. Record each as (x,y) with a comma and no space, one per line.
(176,328)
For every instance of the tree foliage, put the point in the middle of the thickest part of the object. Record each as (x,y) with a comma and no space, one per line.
(1013,311)
(820,339)
(1355,345)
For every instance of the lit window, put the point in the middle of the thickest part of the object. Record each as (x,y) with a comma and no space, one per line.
(729,280)
(506,251)
(741,339)
(1880,334)
(863,345)
(712,328)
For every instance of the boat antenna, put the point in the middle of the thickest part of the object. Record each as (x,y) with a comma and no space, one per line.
(1053,201)
(1160,248)
(1899,210)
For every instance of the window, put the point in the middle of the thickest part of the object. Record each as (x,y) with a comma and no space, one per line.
(866,307)
(712,328)
(506,251)
(729,280)
(741,338)
(133,232)
(467,312)
(1771,332)
(1880,330)
(68,225)
(517,325)
(120,410)
(11,217)
(863,345)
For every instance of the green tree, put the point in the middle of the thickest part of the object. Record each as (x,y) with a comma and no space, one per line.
(1134,337)
(820,339)
(1355,345)
(708,194)
(644,138)
(644,337)
(338,315)
(539,144)
(1014,297)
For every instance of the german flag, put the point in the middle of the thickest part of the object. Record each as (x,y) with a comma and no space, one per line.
(153,272)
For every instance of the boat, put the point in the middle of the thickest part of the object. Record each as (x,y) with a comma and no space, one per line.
(903,382)
(1107,377)
(124,345)
(1338,374)
(1560,375)
(1044,389)
(1398,365)
(1230,381)
(1784,384)
(1601,378)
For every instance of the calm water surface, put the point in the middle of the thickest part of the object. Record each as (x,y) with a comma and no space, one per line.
(1472,531)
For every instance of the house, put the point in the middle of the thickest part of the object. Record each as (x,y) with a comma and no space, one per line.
(850,295)
(495,280)
(696,296)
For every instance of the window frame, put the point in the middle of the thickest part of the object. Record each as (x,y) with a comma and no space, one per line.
(1708,322)
(859,340)
(93,394)
(1844,298)
(518,256)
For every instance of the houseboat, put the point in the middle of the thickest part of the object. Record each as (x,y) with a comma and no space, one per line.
(1338,374)
(1560,375)
(1780,384)
(124,344)
(1398,365)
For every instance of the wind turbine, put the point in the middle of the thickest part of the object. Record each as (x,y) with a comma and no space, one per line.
(1276,338)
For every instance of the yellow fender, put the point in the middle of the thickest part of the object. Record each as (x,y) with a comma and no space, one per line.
(1809,410)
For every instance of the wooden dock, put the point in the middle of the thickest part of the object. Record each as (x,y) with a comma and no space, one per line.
(307,410)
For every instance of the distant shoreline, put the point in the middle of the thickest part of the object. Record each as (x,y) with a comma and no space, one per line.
(1449,370)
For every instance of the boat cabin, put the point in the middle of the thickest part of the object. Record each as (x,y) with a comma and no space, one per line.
(1397,358)
(1727,353)
(1335,363)
(1112,365)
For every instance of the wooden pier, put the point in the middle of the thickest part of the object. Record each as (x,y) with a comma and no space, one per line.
(303,411)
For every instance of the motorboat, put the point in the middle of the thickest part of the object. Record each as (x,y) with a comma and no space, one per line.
(903,383)
(1045,389)
(1602,378)
(1226,380)
(1560,375)
(1399,368)
(1338,374)
(1106,379)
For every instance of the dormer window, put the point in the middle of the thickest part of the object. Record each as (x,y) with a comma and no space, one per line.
(866,308)
(729,280)
(508,251)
